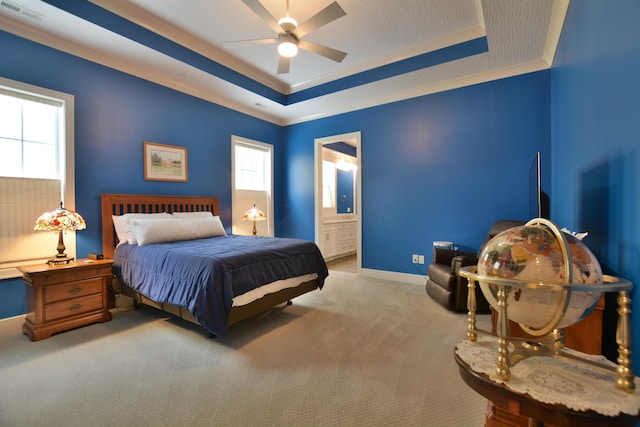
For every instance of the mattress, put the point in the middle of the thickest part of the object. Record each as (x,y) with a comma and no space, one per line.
(209,276)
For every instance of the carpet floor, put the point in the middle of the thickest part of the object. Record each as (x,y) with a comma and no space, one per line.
(360,352)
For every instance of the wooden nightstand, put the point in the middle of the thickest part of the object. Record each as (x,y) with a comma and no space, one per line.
(66,296)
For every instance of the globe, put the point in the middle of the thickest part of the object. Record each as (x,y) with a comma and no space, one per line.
(534,254)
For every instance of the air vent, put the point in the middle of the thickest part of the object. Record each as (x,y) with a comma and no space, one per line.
(10,5)
(21,10)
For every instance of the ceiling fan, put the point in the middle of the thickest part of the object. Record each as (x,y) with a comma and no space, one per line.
(290,34)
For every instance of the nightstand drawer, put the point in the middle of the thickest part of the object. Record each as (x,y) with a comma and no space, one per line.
(71,274)
(72,307)
(63,291)
(65,296)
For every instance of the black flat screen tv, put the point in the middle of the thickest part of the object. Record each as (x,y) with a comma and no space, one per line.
(538,199)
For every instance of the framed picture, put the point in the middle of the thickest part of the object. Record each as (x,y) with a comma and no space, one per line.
(165,162)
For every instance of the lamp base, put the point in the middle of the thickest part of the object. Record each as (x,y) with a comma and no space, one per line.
(60,260)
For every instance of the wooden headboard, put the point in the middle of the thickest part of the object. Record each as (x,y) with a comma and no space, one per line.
(120,204)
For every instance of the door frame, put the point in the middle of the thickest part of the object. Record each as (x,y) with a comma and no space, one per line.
(356,138)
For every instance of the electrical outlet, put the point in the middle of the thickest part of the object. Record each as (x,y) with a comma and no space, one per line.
(414,258)
(420,259)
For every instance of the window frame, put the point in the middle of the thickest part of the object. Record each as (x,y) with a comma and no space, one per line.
(236,210)
(66,159)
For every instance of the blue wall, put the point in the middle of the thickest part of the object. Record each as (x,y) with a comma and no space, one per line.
(345,196)
(595,98)
(439,167)
(114,114)
(443,166)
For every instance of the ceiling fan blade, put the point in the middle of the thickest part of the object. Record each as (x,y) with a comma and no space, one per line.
(327,52)
(326,15)
(283,65)
(264,14)
(249,42)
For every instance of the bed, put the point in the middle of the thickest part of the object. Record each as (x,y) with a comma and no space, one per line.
(205,280)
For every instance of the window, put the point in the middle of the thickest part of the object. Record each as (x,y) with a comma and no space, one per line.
(36,140)
(252,184)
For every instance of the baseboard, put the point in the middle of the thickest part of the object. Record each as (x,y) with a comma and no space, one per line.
(13,317)
(393,276)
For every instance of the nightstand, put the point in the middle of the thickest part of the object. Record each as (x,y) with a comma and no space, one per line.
(65,296)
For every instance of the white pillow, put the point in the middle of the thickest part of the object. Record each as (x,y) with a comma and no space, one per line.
(123,227)
(118,224)
(175,229)
(201,214)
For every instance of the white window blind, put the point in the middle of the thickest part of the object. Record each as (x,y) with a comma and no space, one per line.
(28,199)
(36,139)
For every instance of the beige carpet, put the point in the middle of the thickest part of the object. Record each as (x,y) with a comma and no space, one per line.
(361,352)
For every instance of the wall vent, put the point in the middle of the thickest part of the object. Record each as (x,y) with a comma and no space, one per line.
(10,5)
(21,10)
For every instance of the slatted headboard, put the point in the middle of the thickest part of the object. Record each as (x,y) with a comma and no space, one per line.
(119,204)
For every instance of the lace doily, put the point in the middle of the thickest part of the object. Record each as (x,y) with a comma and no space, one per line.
(578,386)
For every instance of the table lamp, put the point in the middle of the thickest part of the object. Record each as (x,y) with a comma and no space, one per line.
(254,214)
(60,220)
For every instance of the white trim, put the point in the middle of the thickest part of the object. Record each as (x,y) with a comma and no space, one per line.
(480,14)
(19,316)
(176,75)
(166,29)
(388,98)
(270,149)
(9,273)
(395,56)
(67,156)
(554,32)
(412,279)
(174,33)
(317,171)
(188,80)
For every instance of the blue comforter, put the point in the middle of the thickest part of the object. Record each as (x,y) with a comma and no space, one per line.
(204,275)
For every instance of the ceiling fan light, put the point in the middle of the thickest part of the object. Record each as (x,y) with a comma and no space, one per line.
(288,47)
(288,24)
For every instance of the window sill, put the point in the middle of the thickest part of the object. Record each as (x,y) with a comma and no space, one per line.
(10,273)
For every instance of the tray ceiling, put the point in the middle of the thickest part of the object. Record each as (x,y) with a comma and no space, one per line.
(395,50)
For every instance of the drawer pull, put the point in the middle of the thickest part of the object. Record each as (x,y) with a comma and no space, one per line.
(75,289)
(75,307)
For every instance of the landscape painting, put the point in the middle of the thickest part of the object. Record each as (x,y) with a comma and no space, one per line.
(165,162)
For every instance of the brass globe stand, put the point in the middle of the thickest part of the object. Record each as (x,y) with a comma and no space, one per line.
(551,342)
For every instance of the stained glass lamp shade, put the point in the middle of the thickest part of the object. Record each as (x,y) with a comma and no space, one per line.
(254,214)
(60,220)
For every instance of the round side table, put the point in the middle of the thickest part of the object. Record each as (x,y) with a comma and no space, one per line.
(537,412)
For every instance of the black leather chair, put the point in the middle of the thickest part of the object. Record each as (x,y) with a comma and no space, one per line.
(445,285)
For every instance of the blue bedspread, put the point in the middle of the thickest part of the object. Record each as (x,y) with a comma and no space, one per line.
(204,275)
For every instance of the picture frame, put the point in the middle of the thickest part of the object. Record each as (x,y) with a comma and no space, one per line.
(165,162)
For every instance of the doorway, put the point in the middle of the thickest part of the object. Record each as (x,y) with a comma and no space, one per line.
(329,222)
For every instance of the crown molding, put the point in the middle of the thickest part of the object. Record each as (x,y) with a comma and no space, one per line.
(147,72)
(554,32)
(470,80)
(392,57)
(171,32)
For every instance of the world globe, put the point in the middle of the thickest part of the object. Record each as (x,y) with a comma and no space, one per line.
(533,257)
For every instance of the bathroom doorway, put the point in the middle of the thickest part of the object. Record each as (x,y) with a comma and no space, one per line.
(338,197)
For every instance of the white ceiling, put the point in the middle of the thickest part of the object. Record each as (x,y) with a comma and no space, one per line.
(521,35)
